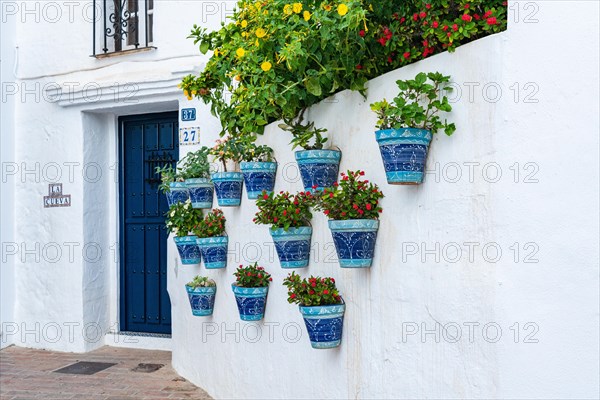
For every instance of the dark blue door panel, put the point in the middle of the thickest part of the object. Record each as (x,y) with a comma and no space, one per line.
(146,142)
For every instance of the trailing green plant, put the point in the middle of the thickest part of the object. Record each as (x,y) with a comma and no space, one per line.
(284,210)
(212,225)
(306,135)
(228,148)
(276,58)
(252,276)
(351,198)
(195,164)
(417,105)
(168,175)
(314,291)
(182,218)
(201,281)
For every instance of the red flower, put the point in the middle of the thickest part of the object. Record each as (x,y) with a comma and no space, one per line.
(449,34)
(249,273)
(454,27)
(477,17)
(331,195)
(297,211)
(369,206)
(343,213)
(445,28)
(423,14)
(382,41)
(487,14)
(284,213)
(345,178)
(292,296)
(415,17)
(259,275)
(428,6)
(389,61)
(425,43)
(467,5)
(326,212)
(335,184)
(491,21)
(355,206)
(314,186)
(402,19)
(361,212)
(271,279)
(435,24)
(362,173)
(466,17)
(332,280)
(362,33)
(359,66)
(265,196)
(314,284)
(311,292)
(406,55)
(275,219)
(325,291)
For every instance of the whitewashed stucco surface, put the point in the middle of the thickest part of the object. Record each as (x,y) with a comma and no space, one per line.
(558,214)
(549,208)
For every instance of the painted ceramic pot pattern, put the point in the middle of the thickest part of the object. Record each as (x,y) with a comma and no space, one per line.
(178,193)
(258,176)
(251,302)
(318,168)
(214,251)
(228,186)
(354,241)
(201,192)
(188,249)
(404,153)
(202,300)
(324,325)
(293,246)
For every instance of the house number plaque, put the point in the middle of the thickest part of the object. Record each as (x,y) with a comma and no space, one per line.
(55,197)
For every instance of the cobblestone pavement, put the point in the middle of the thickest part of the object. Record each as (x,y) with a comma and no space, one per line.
(28,374)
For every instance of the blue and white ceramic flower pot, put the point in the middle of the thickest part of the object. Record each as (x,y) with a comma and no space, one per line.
(228,186)
(214,251)
(293,246)
(318,168)
(354,241)
(324,325)
(251,302)
(188,249)
(178,193)
(201,192)
(404,153)
(258,176)
(202,299)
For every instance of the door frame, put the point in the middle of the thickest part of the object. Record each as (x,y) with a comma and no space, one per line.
(121,120)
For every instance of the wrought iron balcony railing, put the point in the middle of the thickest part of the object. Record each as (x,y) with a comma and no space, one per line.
(122,26)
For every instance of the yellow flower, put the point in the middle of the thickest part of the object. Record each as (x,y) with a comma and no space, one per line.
(194,92)
(216,52)
(238,78)
(327,8)
(287,9)
(240,52)
(306,15)
(256,43)
(297,7)
(266,66)
(260,32)
(342,9)
(244,23)
(186,93)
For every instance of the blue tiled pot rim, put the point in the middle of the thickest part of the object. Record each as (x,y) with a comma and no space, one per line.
(332,155)
(244,291)
(177,185)
(198,181)
(259,166)
(227,176)
(189,239)
(201,290)
(404,133)
(223,239)
(323,311)
(281,232)
(354,224)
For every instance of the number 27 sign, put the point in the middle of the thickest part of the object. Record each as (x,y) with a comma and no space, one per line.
(190,135)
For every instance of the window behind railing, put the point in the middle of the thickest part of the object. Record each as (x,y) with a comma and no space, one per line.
(123,25)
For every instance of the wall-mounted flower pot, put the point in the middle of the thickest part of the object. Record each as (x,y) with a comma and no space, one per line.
(324,325)
(354,241)
(228,186)
(202,300)
(318,168)
(293,246)
(188,249)
(258,176)
(201,192)
(404,153)
(214,251)
(178,193)
(251,302)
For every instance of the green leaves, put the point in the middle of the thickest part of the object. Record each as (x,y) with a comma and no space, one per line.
(195,165)
(182,218)
(314,291)
(212,225)
(284,210)
(417,105)
(306,136)
(252,276)
(313,86)
(201,281)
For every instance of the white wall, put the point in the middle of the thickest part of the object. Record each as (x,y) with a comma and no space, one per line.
(7,107)
(549,209)
(66,293)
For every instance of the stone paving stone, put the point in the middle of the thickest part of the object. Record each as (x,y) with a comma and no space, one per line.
(27,374)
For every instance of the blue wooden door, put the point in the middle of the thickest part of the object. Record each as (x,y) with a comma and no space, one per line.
(146,142)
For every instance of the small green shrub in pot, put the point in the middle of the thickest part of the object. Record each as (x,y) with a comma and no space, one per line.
(212,239)
(182,219)
(201,294)
(195,169)
(405,126)
(258,167)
